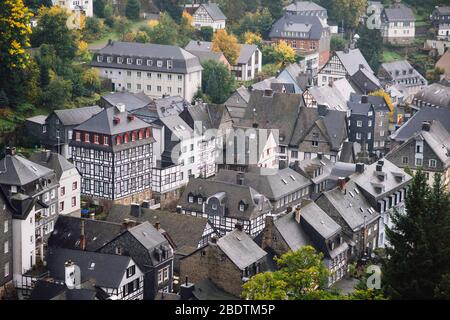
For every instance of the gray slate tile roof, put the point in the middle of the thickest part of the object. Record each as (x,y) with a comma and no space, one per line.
(435,94)
(103,123)
(98,233)
(352,59)
(214,11)
(107,270)
(40,119)
(267,182)
(335,97)
(185,230)
(240,248)
(207,290)
(300,6)
(414,124)
(183,61)
(402,66)
(18,171)
(53,161)
(132,101)
(398,13)
(319,220)
(311,25)
(70,117)
(147,235)
(293,234)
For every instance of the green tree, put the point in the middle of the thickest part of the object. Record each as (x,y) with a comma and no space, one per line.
(217,81)
(34,5)
(52,29)
(4,101)
(370,43)
(108,11)
(206,33)
(132,9)
(258,22)
(337,43)
(57,94)
(275,7)
(302,275)
(15,33)
(419,251)
(165,31)
(172,7)
(99,8)
(348,11)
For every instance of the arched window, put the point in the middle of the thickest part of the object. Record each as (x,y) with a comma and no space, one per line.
(126,138)
(118,140)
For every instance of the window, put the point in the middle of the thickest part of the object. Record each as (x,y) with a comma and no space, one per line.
(369,135)
(52,209)
(105,141)
(405,160)
(369,123)
(418,162)
(109,59)
(191,199)
(6,226)
(159,63)
(149,87)
(44,129)
(381,133)
(128,73)
(180,77)
(74,201)
(158,88)
(359,123)
(99,58)
(432,163)
(86,137)
(74,185)
(6,247)
(96,139)
(170,66)
(241,207)
(358,136)
(131,271)
(199,200)
(6,269)
(119,60)
(139,62)
(77,136)
(163,275)
(418,149)
(149,62)
(129,60)
(128,85)
(61,206)
(53,194)
(294,154)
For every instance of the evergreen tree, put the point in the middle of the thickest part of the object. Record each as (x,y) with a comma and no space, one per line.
(419,253)
(132,9)
(217,81)
(99,7)
(44,76)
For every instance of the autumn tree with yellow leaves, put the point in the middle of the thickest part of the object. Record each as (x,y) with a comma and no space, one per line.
(388,100)
(227,44)
(15,30)
(252,38)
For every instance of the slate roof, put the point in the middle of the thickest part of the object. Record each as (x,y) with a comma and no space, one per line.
(185,230)
(207,290)
(183,61)
(370,181)
(98,233)
(435,95)
(53,161)
(400,66)
(214,11)
(365,81)
(293,234)
(319,220)
(398,13)
(300,6)
(40,119)
(266,181)
(132,101)
(147,235)
(45,290)
(233,195)
(70,117)
(352,59)
(107,270)
(246,50)
(311,25)
(18,171)
(246,53)
(335,97)
(103,123)
(352,209)
(240,248)
(414,124)
(239,98)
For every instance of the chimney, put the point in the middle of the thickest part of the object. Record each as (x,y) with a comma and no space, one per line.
(320,155)
(82,237)
(239,226)
(322,110)
(69,271)
(240,179)
(361,66)
(130,117)
(157,225)
(187,290)
(341,183)
(10,151)
(364,99)
(120,107)
(426,126)
(360,167)
(116,120)
(135,210)
(127,224)
(297,213)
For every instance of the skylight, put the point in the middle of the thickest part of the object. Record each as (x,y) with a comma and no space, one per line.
(284,181)
(292,177)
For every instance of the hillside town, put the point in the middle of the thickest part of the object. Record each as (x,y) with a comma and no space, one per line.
(224,150)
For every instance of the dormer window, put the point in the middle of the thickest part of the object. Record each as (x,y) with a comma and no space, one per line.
(133,136)
(138,62)
(99,58)
(242,206)
(200,200)
(125,138)
(86,137)
(77,136)
(191,198)
(13,189)
(147,133)
(119,60)
(169,64)
(149,62)
(105,141)
(129,60)
(159,63)
(109,59)
(214,206)
(96,139)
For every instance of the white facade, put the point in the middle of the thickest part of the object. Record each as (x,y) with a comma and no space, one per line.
(85,6)
(398,31)
(24,246)
(443,31)
(201,18)
(250,69)
(69,191)
(154,84)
